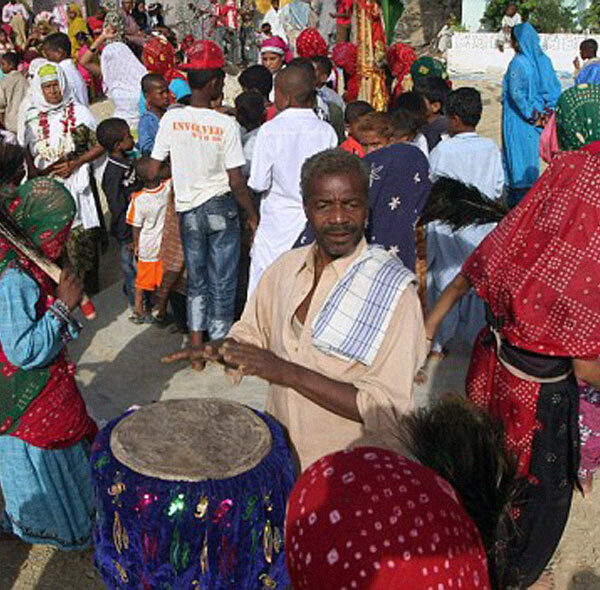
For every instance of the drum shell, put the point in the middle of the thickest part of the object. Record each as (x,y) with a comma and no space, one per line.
(217,534)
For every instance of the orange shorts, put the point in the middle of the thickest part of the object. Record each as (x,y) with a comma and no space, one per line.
(149,275)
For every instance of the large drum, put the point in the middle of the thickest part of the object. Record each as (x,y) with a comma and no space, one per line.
(191,495)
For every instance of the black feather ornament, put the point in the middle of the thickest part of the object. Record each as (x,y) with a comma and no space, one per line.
(460,205)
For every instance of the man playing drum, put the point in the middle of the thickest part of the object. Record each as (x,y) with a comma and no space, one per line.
(336,328)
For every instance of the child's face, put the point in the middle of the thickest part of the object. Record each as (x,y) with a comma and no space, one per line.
(321,76)
(127,143)
(272,61)
(433,108)
(158,95)
(371,140)
(3,37)
(5,66)
(55,55)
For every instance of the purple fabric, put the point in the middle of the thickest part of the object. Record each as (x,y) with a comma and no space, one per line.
(589,429)
(150,533)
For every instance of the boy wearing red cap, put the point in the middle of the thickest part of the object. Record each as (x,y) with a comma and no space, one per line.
(206,155)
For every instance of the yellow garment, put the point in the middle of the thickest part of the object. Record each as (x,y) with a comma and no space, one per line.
(264,5)
(371,53)
(76,25)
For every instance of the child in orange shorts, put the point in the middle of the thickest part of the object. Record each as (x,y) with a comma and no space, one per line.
(146,214)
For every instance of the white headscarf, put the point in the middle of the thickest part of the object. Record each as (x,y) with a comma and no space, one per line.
(47,71)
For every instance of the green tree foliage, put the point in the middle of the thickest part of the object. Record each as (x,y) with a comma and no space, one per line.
(547,16)
(591,18)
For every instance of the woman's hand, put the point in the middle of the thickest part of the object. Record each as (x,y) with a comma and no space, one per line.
(64,169)
(69,290)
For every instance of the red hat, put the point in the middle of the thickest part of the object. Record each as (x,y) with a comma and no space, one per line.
(310,43)
(204,55)
(369,518)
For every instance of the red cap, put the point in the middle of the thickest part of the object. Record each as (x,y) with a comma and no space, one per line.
(204,55)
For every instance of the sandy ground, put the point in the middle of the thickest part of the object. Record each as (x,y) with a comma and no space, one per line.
(118,365)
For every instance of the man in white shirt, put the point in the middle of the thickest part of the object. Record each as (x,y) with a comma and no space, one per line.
(475,161)
(206,155)
(273,17)
(282,146)
(57,48)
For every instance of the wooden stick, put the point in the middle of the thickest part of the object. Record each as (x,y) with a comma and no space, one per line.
(50,268)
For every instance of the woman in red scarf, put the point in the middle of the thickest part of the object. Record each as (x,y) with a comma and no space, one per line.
(44,425)
(399,58)
(345,56)
(538,273)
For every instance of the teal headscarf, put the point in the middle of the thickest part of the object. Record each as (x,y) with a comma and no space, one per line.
(578,116)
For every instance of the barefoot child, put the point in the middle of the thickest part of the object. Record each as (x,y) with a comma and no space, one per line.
(146,214)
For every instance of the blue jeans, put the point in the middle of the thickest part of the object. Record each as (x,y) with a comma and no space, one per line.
(129,268)
(210,235)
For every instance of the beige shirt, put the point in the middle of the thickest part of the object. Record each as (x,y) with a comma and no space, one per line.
(384,388)
(13,90)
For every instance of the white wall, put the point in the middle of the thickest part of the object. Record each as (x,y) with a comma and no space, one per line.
(477,52)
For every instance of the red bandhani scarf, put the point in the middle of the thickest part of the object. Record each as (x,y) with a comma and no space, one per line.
(345,56)
(158,55)
(370,518)
(540,268)
(310,43)
(400,57)
(539,272)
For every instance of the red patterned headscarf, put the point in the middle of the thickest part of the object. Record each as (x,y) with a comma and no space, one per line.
(399,58)
(370,518)
(158,56)
(345,56)
(310,43)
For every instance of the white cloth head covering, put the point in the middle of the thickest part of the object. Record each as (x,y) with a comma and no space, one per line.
(45,72)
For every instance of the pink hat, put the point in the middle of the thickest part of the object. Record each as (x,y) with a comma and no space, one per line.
(277,45)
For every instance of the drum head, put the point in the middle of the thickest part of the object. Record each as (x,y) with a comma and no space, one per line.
(191,440)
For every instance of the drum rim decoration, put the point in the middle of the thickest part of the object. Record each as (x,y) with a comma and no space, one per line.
(257,449)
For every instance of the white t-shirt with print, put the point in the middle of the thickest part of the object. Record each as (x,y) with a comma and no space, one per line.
(147,210)
(203,145)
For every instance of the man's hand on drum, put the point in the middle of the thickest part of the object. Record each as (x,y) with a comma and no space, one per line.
(248,359)
(209,351)
(245,358)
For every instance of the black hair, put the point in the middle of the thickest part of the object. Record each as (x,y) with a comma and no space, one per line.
(12,58)
(150,79)
(250,109)
(110,132)
(58,41)
(356,109)
(12,158)
(333,162)
(302,62)
(323,63)
(405,123)
(434,89)
(257,78)
(465,103)
(141,166)
(198,79)
(589,46)
(266,26)
(301,74)
(413,102)
(81,36)
(180,55)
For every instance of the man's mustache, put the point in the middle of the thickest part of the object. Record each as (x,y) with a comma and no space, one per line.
(338,229)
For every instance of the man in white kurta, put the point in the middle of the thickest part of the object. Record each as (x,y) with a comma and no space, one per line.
(273,16)
(282,146)
(475,161)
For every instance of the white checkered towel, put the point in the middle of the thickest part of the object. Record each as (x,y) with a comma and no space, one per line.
(357,312)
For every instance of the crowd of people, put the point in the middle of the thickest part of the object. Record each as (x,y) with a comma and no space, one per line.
(285,234)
